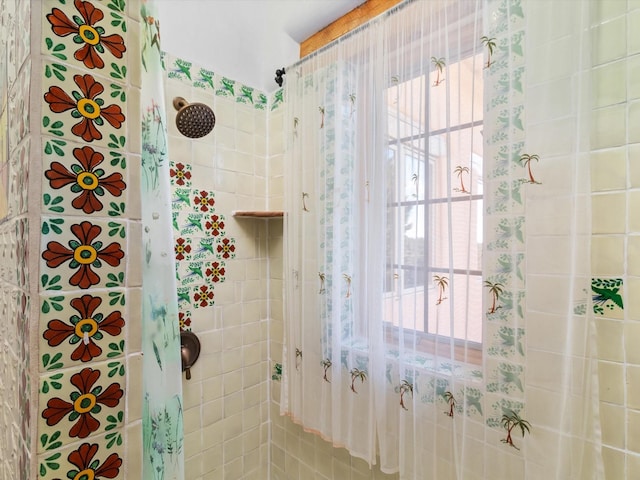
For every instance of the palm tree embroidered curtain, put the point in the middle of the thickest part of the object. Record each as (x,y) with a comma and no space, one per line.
(422,204)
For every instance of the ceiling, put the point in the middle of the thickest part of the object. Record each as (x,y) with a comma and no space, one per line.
(246,40)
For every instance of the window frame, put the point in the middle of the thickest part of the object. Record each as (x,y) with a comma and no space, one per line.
(464,350)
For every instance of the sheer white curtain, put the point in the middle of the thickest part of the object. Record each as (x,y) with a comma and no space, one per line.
(332,154)
(561,387)
(422,206)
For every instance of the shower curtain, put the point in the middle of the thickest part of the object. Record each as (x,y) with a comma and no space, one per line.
(438,307)
(162,426)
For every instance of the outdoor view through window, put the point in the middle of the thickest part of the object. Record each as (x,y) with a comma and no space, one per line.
(434,202)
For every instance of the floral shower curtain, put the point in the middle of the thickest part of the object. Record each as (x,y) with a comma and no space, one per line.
(162,368)
(424,289)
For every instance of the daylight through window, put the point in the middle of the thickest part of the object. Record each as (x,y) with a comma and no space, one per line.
(434,203)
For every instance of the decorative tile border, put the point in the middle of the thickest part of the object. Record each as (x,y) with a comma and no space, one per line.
(81,255)
(83,107)
(195,76)
(80,32)
(82,180)
(277,99)
(101,457)
(79,402)
(80,328)
(84,174)
(607,297)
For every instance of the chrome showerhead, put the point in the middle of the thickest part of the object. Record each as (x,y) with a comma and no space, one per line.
(194,120)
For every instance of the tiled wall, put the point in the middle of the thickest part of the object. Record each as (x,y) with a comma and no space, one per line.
(16,394)
(85,97)
(221,272)
(238,165)
(615,173)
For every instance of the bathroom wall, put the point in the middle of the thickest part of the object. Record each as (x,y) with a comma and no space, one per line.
(222,272)
(16,394)
(615,181)
(239,166)
(85,238)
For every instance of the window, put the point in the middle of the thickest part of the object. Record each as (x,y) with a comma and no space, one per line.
(434,203)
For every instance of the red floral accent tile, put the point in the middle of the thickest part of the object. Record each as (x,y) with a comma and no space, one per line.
(203,297)
(182,249)
(184,318)
(86,179)
(215,272)
(203,201)
(85,401)
(85,254)
(85,105)
(226,249)
(87,33)
(214,225)
(180,174)
(84,328)
(87,467)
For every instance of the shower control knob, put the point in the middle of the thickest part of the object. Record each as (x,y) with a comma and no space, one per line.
(189,351)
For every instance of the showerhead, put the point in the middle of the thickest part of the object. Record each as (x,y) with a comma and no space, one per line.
(194,120)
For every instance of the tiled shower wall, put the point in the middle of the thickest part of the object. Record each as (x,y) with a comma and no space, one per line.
(226,402)
(221,264)
(615,179)
(85,238)
(16,394)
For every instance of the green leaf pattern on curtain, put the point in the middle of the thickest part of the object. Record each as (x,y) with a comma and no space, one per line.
(162,427)
(504,212)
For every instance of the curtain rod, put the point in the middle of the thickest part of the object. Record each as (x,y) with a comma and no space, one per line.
(364,26)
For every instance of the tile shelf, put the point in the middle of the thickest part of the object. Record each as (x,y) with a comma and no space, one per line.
(258,213)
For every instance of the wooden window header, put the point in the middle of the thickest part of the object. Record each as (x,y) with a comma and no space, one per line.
(346,23)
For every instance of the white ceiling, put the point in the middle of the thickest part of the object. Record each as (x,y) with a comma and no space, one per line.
(246,40)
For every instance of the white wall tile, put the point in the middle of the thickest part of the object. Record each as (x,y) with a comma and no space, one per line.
(609,84)
(608,127)
(608,213)
(609,41)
